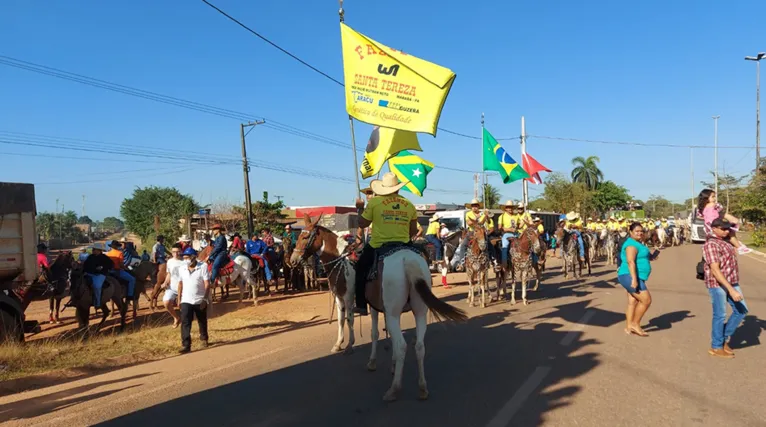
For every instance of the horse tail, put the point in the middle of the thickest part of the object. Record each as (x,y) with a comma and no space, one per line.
(440,309)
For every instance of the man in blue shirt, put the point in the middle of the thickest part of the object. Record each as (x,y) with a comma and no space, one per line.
(220,254)
(256,248)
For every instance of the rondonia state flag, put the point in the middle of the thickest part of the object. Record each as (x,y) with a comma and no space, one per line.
(385,143)
(411,169)
(390,88)
(497,159)
(533,168)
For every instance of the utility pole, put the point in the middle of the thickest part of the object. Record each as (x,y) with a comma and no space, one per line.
(715,152)
(83,205)
(524,182)
(691,157)
(246,172)
(757,60)
(476,186)
(279,198)
(56,218)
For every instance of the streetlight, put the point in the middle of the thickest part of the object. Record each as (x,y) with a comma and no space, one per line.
(715,152)
(757,60)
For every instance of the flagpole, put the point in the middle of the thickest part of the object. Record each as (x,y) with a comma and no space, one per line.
(524,182)
(483,181)
(351,124)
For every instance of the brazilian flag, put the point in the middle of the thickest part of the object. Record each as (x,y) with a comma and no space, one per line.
(497,159)
(411,169)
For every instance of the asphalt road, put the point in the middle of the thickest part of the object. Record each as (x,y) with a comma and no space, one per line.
(563,360)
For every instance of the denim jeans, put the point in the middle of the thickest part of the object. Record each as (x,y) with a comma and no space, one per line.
(98,285)
(432,239)
(219,263)
(124,275)
(581,244)
(723,329)
(505,244)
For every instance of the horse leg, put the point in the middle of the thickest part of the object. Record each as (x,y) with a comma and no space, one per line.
(513,290)
(421,324)
(341,312)
(524,280)
(399,346)
(372,364)
(482,286)
(50,313)
(104,315)
(470,289)
(135,306)
(58,309)
(350,319)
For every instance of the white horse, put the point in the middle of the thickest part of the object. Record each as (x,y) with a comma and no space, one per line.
(662,236)
(406,283)
(239,276)
(676,236)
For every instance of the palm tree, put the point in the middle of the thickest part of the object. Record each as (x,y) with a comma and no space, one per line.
(586,171)
(490,195)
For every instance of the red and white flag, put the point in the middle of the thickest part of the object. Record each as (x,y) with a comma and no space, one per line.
(533,168)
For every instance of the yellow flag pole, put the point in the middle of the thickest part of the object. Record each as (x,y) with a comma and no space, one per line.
(351,124)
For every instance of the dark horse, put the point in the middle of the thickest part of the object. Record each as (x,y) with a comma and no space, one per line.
(58,282)
(82,299)
(570,252)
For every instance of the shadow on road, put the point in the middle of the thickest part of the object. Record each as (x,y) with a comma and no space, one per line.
(748,334)
(52,402)
(665,321)
(473,369)
(575,312)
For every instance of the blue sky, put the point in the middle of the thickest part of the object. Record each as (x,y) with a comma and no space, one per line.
(653,72)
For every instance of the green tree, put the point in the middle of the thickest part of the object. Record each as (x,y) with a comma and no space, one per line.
(540,204)
(660,207)
(46,225)
(608,196)
(167,206)
(753,204)
(84,220)
(265,213)
(565,196)
(112,223)
(490,196)
(586,172)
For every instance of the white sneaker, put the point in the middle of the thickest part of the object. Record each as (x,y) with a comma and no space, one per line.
(744,250)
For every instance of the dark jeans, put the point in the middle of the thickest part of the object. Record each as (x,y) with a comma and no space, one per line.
(363,265)
(432,239)
(220,262)
(188,312)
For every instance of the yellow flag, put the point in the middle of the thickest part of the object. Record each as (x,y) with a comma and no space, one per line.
(390,88)
(384,143)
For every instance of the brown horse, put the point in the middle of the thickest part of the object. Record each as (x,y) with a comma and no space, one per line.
(477,265)
(521,250)
(142,272)
(82,299)
(58,282)
(570,251)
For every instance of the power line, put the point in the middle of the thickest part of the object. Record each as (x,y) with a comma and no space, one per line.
(641,144)
(313,68)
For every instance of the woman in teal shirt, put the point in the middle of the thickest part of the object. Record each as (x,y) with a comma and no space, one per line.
(632,274)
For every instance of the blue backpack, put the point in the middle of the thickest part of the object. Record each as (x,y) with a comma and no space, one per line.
(618,257)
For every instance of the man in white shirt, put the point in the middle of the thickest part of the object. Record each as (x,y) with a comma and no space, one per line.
(194,291)
(173,277)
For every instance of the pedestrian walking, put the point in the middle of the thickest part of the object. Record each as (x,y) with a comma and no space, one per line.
(722,281)
(171,298)
(633,272)
(194,291)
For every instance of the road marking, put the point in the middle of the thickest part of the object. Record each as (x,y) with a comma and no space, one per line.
(141,393)
(581,324)
(511,407)
(506,413)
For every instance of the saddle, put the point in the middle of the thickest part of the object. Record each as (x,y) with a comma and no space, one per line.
(259,259)
(374,290)
(223,271)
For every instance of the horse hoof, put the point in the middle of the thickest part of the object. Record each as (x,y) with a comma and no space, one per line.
(423,394)
(349,350)
(525,302)
(372,366)
(335,349)
(513,302)
(390,396)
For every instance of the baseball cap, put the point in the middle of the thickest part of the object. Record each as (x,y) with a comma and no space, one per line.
(720,223)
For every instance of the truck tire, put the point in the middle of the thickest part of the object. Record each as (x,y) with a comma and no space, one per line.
(10,326)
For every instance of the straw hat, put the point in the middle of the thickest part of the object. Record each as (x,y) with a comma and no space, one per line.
(537,219)
(475,202)
(571,216)
(434,218)
(520,205)
(367,191)
(590,218)
(388,185)
(612,218)
(184,238)
(509,203)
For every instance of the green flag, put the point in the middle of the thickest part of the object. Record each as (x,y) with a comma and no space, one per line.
(497,159)
(411,169)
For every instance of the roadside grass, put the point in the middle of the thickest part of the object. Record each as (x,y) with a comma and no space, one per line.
(68,355)
(746,237)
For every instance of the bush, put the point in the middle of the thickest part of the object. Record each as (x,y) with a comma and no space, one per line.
(759,237)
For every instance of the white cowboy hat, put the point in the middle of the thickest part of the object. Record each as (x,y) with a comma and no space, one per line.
(475,202)
(590,218)
(520,205)
(99,246)
(509,203)
(612,217)
(434,218)
(184,238)
(537,219)
(571,216)
(388,185)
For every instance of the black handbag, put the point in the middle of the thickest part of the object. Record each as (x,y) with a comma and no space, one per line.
(701,269)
